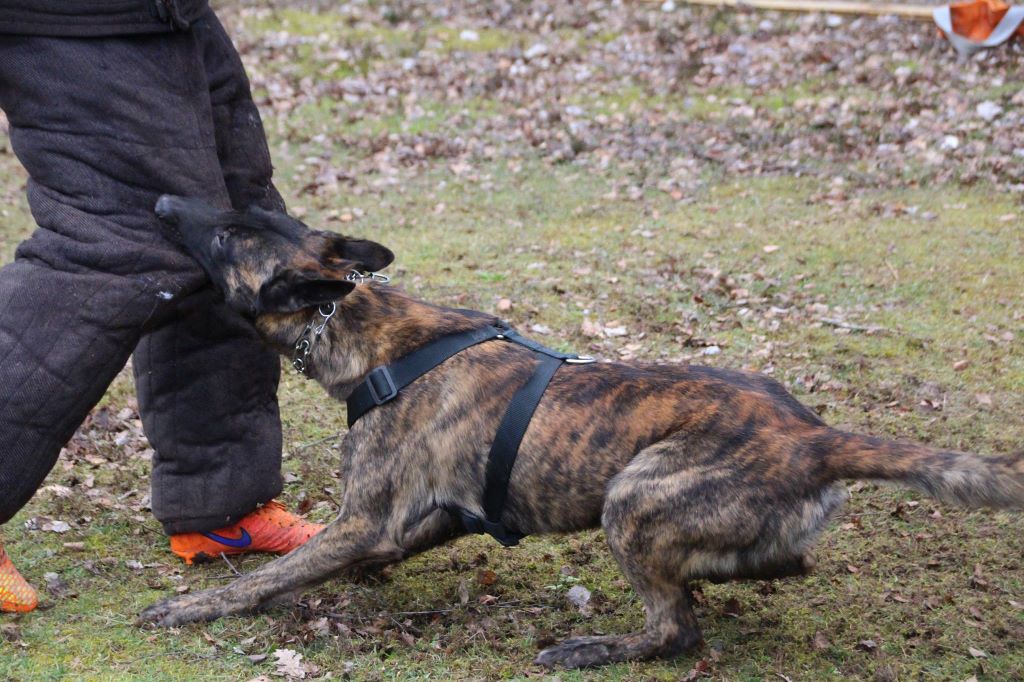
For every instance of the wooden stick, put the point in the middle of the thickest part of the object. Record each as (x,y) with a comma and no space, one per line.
(920,12)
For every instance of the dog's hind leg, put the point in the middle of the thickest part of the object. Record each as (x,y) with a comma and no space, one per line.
(635,538)
(683,511)
(671,629)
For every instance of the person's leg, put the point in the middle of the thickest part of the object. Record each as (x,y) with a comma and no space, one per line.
(96,272)
(207,385)
(207,390)
(103,128)
(63,338)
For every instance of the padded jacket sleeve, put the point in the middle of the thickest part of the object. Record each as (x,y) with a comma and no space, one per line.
(91,18)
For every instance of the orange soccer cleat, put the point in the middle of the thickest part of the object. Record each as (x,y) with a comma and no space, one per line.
(16,595)
(271,528)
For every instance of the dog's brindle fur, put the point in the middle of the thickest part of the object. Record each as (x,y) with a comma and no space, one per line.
(693,472)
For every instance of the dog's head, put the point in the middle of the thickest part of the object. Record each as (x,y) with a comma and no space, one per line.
(265,262)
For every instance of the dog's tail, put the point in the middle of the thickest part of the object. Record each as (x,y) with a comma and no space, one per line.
(956,477)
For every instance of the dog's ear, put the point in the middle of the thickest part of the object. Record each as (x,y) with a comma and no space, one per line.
(293,290)
(366,255)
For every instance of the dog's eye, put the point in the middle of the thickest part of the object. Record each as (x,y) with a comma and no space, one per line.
(219,240)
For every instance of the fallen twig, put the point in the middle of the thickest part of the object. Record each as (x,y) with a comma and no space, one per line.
(228,562)
(318,441)
(854,327)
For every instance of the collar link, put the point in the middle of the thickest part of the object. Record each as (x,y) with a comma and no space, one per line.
(313,331)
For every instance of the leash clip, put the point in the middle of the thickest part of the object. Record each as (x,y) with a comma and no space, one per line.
(361,277)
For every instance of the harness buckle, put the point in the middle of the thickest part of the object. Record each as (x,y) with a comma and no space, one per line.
(382,386)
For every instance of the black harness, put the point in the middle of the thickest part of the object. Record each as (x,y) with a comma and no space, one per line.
(383,384)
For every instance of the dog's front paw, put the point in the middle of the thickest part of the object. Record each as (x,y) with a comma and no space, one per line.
(176,611)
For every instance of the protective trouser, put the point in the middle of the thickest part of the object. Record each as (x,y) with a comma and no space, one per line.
(103,127)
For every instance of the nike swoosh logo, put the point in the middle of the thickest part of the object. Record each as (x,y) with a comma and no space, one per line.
(243,541)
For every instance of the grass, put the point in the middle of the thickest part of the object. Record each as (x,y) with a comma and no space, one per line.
(329,116)
(923,582)
(404,42)
(949,280)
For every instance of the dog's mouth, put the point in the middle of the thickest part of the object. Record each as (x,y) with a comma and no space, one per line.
(189,223)
(169,209)
(166,208)
(168,221)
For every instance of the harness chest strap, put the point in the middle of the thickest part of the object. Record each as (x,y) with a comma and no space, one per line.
(383,384)
(505,449)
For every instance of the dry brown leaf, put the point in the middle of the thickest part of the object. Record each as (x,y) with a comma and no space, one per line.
(289,664)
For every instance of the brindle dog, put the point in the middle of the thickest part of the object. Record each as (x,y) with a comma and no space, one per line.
(693,472)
